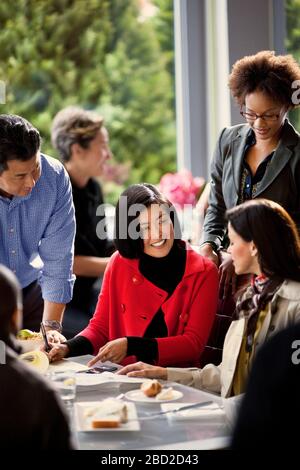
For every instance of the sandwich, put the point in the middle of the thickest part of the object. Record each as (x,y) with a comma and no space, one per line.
(109,413)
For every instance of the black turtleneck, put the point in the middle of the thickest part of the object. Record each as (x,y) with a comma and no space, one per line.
(165,273)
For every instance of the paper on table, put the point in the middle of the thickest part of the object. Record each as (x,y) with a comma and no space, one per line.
(64,365)
(209,411)
(89,380)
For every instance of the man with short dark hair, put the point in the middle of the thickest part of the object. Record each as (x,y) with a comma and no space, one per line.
(32,417)
(37,223)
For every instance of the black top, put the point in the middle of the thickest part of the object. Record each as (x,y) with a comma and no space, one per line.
(165,273)
(250,183)
(87,243)
(34,419)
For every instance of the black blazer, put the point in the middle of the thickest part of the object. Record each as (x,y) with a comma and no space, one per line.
(281,182)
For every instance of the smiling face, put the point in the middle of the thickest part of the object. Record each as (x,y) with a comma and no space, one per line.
(20,177)
(261,104)
(157,231)
(243,253)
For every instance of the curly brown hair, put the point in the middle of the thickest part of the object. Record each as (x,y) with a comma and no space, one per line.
(265,72)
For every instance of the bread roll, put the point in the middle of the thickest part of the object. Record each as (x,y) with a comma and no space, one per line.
(151,388)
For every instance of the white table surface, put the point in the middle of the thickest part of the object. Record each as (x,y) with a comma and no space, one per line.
(159,433)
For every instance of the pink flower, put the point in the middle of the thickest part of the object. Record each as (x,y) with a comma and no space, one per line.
(181,188)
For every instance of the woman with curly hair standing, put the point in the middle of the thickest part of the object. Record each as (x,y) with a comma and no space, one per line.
(260,158)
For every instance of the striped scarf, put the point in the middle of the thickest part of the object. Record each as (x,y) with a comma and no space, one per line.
(261,292)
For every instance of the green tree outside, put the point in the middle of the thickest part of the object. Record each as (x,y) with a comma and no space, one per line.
(99,54)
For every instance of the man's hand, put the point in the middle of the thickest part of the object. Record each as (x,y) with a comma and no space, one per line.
(54,336)
(141,369)
(114,351)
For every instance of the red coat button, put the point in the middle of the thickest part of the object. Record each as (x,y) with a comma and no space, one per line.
(184,318)
(123,308)
(137,280)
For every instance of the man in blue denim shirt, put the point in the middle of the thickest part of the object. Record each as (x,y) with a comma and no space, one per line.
(37,223)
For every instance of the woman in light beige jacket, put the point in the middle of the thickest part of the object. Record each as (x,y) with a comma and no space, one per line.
(263,242)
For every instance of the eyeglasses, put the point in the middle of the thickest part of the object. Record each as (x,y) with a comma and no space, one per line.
(250,116)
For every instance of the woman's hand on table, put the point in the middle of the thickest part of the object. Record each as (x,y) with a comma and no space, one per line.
(113,351)
(58,352)
(141,369)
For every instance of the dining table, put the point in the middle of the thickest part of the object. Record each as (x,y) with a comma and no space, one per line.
(207,428)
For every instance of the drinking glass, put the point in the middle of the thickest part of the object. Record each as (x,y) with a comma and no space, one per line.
(65,384)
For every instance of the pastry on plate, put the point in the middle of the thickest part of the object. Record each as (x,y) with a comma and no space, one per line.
(151,388)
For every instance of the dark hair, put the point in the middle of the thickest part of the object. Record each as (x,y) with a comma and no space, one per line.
(74,125)
(265,72)
(274,234)
(138,194)
(11,299)
(19,140)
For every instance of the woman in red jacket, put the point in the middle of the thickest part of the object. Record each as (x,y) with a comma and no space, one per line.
(158,298)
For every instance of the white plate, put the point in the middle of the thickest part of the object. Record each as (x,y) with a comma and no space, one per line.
(206,412)
(83,424)
(37,360)
(139,396)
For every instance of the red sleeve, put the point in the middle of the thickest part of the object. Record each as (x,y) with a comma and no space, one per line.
(186,347)
(97,331)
